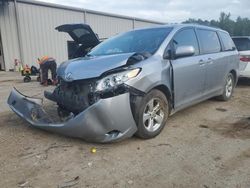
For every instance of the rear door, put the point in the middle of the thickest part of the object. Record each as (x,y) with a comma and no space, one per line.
(215,60)
(188,72)
(80,33)
(83,35)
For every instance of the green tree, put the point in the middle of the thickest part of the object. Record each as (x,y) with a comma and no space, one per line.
(240,27)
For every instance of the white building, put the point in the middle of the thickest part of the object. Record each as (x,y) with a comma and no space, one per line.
(27,29)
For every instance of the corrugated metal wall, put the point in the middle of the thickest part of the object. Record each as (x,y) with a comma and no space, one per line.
(38,34)
(9,35)
(142,24)
(107,26)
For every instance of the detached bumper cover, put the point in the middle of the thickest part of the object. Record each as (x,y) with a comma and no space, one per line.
(107,120)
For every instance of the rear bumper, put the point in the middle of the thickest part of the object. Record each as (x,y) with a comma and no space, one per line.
(107,120)
(244,70)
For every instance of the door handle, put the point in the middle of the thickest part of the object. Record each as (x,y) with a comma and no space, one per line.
(210,61)
(201,62)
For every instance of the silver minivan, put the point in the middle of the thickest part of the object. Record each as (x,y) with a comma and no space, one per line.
(131,83)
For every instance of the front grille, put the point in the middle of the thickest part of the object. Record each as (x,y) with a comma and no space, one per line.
(74,96)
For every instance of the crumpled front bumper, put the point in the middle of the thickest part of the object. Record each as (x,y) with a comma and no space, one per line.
(107,120)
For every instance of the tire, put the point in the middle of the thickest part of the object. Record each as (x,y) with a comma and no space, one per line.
(228,88)
(151,114)
(27,79)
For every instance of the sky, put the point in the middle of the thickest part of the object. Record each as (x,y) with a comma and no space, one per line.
(167,11)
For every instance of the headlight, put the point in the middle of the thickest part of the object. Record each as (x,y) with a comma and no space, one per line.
(116,79)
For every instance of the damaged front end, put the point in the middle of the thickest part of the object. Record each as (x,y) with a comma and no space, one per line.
(97,109)
(74,97)
(107,120)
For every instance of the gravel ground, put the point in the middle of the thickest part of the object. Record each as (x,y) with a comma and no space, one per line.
(207,145)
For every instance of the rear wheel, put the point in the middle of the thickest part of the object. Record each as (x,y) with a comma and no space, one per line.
(151,114)
(27,79)
(228,88)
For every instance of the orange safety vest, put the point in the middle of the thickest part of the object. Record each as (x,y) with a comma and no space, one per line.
(44,59)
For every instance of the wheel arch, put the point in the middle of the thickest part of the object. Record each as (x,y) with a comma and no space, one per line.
(234,73)
(135,100)
(167,92)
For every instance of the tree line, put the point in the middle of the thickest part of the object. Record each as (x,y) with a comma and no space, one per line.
(238,27)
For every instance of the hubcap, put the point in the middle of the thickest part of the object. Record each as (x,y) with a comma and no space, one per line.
(229,86)
(153,115)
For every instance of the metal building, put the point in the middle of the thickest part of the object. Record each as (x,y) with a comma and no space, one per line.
(27,29)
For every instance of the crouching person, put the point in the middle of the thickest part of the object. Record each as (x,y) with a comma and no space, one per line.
(46,64)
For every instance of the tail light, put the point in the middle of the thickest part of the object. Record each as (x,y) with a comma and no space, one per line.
(245,58)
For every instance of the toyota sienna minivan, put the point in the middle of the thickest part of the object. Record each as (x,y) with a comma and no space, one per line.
(130,84)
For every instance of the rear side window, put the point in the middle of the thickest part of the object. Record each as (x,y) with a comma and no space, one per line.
(80,32)
(209,41)
(186,37)
(227,41)
(242,44)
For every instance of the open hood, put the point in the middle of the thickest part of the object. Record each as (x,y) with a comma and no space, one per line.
(80,33)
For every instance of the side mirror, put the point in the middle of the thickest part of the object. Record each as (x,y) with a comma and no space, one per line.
(167,54)
(184,51)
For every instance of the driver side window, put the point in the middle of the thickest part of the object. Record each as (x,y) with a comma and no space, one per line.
(186,37)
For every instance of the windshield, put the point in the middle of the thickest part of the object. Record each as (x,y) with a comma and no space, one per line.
(147,40)
(242,44)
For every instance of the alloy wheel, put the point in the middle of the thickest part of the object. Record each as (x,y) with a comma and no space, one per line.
(229,86)
(153,115)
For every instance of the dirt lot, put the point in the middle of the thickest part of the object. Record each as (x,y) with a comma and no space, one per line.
(207,145)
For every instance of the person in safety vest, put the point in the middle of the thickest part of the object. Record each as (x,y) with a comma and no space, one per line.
(47,63)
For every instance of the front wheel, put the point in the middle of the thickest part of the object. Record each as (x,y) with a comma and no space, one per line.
(151,114)
(228,88)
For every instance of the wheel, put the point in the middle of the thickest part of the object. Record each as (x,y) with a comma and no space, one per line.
(228,88)
(27,79)
(151,114)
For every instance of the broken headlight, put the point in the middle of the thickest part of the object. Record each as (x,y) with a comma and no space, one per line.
(116,79)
